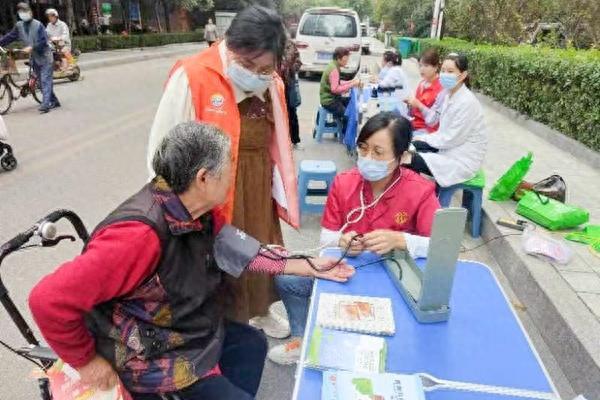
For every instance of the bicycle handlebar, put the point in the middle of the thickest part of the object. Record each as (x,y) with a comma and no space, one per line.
(16,242)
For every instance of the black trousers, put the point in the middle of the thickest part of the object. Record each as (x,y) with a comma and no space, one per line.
(242,362)
(418,164)
(294,126)
(338,109)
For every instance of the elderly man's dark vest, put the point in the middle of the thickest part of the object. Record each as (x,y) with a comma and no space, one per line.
(168,332)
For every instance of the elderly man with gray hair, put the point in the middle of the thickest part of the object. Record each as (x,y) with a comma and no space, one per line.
(144,301)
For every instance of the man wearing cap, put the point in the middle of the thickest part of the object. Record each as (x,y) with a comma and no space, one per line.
(58,32)
(31,32)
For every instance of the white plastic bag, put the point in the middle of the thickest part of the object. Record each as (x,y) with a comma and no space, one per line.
(538,244)
(3,130)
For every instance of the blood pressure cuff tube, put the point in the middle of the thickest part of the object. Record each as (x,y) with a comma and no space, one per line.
(234,250)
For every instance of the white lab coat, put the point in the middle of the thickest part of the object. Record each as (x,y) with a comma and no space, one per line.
(392,77)
(461,140)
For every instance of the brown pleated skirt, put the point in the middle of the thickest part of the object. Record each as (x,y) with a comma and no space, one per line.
(254,207)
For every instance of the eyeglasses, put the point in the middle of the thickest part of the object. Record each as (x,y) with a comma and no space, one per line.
(251,66)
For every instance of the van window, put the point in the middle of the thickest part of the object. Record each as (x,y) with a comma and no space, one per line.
(332,25)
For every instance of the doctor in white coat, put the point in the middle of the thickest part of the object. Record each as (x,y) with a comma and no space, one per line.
(455,152)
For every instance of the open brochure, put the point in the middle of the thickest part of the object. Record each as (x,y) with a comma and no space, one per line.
(330,349)
(66,384)
(343,385)
(356,314)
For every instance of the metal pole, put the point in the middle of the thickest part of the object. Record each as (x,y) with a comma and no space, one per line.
(441,19)
(435,20)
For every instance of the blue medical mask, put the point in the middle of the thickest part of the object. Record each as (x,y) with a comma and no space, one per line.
(247,80)
(373,170)
(448,81)
(25,16)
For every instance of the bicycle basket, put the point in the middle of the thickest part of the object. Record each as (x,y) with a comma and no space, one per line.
(7,65)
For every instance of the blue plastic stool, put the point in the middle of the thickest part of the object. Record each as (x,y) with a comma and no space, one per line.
(322,127)
(314,171)
(472,200)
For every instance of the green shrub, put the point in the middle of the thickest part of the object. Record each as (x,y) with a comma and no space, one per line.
(114,42)
(560,88)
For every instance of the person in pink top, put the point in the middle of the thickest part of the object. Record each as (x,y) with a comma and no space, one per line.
(333,87)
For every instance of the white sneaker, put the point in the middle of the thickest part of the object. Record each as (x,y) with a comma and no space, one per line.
(277,312)
(287,353)
(298,146)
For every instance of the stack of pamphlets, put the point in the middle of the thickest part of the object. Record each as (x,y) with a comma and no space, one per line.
(331,349)
(362,314)
(344,385)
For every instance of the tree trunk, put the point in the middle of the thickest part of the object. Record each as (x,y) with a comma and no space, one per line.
(167,11)
(70,17)
(157,13)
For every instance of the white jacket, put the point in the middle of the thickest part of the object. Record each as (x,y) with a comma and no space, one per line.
(3,130)
(59,30)
(461,140)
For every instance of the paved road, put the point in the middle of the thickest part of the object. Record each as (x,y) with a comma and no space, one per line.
(89,156)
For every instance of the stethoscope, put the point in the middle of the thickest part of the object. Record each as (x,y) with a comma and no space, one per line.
(350,217)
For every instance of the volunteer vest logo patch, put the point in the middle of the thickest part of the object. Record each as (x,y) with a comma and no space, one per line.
(401,218)
(217,100)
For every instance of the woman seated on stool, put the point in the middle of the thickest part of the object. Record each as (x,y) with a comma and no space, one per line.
(391,207)
(427,102)
(455,152)
(391,74)
(333,87)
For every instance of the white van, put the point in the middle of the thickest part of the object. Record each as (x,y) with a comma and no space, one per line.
(321,30)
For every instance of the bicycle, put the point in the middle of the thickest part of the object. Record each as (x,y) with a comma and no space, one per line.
(46,231)
(7,70)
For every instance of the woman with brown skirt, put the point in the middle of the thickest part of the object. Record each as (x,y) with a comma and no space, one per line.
(234,86)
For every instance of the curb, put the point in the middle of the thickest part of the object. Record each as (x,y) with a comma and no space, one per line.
(142,56)
(552,136)
(555,309)
(138,55)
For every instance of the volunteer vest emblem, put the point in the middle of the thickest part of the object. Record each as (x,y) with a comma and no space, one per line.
(217,100)
(401,218)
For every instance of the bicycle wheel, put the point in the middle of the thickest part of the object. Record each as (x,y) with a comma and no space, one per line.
(6,97)
(35,88)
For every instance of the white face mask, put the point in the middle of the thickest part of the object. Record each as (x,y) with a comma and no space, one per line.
(25,16)
(247,80)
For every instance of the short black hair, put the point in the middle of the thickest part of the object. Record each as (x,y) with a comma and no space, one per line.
(24,6)
(461,62)
(340,52)
(399,128)
(393,57)
(257,29)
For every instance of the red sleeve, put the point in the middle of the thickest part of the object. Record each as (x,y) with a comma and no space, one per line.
(333,217)
(337,86)
(426,212)
(265,262)
(118,258)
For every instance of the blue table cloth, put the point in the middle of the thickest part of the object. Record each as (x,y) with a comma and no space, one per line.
(483,341)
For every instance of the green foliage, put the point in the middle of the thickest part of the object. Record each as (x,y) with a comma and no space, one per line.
(513,21)
(409,17)
(107,42)
(364,8)
(554,86)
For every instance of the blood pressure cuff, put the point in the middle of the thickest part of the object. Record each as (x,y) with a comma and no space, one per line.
(234,250)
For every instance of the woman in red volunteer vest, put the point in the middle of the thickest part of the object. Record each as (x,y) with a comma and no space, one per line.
(389,206)
(427,101)
(234,85)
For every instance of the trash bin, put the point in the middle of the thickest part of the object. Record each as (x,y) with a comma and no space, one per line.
(405,46)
